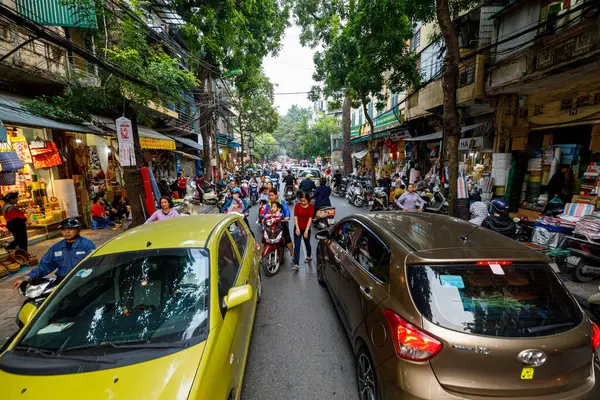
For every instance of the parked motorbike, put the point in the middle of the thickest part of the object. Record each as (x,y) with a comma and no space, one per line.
(274,248)
(380,199)
(437,203)
(356,193)
(583,262)
(36,291)
(324,217)
(186,207)
(210,196)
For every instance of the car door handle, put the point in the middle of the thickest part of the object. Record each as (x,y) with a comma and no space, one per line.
(366,292)
(337,258)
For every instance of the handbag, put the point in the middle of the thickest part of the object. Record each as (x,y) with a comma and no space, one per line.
(9,160)
(21,147)
(48,160)
(8,178)
(39,147)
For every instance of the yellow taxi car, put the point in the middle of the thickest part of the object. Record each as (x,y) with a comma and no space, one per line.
(163,311)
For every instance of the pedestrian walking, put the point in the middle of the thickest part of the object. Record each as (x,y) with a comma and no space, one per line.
(16,222)
(303,216)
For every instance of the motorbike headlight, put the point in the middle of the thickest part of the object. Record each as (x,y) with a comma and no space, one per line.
(33,291)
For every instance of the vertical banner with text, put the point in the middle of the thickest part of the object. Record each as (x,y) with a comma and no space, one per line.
(125,137)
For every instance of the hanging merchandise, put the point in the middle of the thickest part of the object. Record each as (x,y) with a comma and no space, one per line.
(125,138)
(21,147)
(39,147)
(9,160)
(8,178)
(47,159)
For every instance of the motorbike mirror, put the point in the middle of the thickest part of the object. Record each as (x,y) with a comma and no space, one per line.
(27,312)
(238,296)
(322,235)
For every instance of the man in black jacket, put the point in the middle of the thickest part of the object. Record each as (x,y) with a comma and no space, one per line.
(499,221)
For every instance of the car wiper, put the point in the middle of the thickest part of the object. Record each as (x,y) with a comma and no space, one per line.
(128,345)
(539,329)
(51,354)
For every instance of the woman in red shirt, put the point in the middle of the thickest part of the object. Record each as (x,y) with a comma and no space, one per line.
(16,222)
(99,214)
(182,185)
(303,216)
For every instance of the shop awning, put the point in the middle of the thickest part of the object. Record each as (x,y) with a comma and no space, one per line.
(12,113)
(440,134)
(149,138)
(187,155)
(188,142)
(361,154)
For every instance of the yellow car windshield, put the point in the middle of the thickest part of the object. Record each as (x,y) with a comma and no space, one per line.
(154,297)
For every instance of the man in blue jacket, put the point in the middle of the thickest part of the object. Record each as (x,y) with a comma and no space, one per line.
(285,212)
(64,255)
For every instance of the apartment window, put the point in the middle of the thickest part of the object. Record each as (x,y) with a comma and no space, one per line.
(566,104)
(353,118)
(415,42)
(360,116)
(467,76)
(371,110)
(583,101)
(394,100)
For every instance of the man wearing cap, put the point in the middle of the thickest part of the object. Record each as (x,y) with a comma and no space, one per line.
(64,255)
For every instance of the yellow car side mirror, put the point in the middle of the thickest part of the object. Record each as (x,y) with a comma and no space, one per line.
(27,312)
(238,295)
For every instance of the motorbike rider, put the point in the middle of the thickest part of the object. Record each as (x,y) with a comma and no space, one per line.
(236,193)
(285,211)
(275,178)
(337,179)
(321,195)
(478,212)
(499,221)
(64,255)
(410,200)
(307,185)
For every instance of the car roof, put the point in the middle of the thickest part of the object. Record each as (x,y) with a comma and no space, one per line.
(434,237)
(186,231)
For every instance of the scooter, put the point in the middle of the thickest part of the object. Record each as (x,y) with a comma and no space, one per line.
(290,194)
(253,193)
(584,259)
(186,207)
(324,217)
(380,199)
(210,196)
(438,203)
(356,194)
(273,252)
(36,291)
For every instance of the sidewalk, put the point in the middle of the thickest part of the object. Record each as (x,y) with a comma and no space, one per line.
(11,300)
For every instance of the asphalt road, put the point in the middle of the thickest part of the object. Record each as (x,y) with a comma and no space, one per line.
(299,349)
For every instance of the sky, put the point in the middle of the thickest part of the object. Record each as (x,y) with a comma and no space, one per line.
(291,71)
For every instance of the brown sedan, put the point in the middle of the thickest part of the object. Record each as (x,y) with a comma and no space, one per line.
(437,308)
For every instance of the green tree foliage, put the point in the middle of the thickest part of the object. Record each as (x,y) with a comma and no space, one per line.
(317,141)
(266,146)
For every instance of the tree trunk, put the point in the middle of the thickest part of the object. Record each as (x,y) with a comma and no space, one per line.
(371,134)
(451,119)
(346,128)
(206,144)
(133,177)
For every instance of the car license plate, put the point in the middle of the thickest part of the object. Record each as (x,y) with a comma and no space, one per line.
(371,202)
(330,222)
(554,266)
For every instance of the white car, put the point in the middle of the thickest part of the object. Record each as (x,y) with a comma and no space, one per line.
(314,173)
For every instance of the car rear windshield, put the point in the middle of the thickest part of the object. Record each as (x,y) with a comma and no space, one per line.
(494,300)
(157,296)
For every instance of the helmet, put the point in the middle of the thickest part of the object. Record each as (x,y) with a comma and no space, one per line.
(236,190)
(70,223)
(499,205)
(308,176)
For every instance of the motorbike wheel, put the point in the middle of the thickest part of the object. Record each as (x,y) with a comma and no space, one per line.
(271,263)
(358,202)
(579,275)
(444,210)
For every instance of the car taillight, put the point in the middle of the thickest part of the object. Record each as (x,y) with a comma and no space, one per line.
(410,342)
(493,262)
(595,337)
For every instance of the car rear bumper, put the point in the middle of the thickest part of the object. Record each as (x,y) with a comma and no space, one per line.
(399,379)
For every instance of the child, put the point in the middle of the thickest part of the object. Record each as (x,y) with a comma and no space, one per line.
(237,206)
(264,194)
(273,216)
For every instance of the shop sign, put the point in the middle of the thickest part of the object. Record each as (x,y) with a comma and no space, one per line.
(157,144)
(125,138)
(474,143)
(400,134)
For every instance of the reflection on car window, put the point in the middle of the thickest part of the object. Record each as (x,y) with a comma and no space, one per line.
(159,296)
(477,299)
(240,237)
(229,266)
(345,234)
(373,256)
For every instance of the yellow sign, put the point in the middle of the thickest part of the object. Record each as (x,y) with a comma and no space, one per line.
(527,373)
(157,144)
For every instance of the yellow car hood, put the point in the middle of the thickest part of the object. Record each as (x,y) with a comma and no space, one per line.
(166,378)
